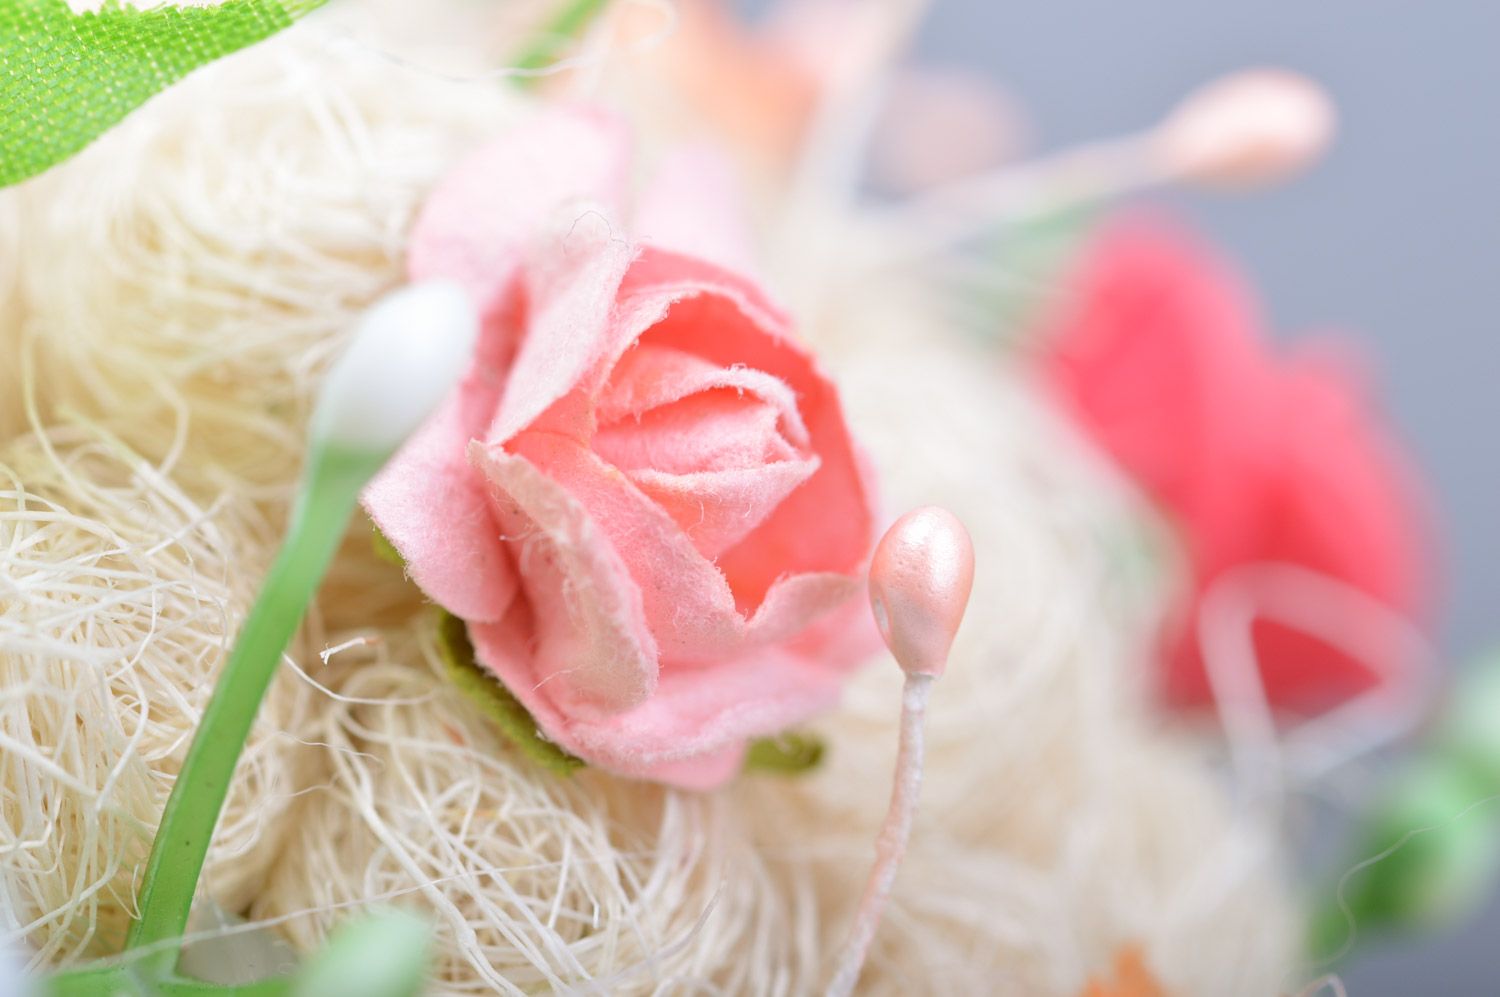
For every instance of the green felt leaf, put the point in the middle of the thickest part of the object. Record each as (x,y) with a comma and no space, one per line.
(384,549)
(514,720)
(791,753)
(66,78)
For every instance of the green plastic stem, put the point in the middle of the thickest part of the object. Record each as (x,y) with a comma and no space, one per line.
(330,490)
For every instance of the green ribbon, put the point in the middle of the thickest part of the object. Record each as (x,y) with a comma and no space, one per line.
(66,78)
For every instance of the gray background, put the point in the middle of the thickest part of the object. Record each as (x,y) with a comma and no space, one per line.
(1395,238)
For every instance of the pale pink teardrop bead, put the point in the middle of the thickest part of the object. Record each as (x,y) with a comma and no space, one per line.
(920,579)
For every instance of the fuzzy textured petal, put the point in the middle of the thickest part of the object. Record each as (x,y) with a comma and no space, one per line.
(651,377)
(716,509)
(436,512)
(692,207)
(687,602)
(1159,356)
(594,648)
(1257,457)
(827,524)
(572,329)
(693,732)
(475,228)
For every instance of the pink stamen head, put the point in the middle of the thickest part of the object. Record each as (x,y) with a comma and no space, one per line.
(920,579)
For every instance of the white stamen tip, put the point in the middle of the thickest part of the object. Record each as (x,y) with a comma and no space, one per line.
(1250,128)
(406,354)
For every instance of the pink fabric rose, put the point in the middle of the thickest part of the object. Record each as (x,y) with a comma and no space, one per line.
(1257,457)
(643,498)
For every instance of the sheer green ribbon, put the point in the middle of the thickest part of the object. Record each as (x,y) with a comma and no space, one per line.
(66,78)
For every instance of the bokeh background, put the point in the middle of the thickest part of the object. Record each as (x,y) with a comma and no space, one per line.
(1394,239)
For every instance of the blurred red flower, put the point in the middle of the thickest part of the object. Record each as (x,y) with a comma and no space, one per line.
(1257,456)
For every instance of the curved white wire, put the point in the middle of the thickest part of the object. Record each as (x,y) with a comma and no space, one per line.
(1268,756)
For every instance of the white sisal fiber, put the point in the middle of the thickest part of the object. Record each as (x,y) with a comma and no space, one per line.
(538,881)
(183,284)
(118,593)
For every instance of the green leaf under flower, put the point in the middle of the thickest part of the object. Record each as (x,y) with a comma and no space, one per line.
(497,702)
(384,549)
(791,753)
(788,754)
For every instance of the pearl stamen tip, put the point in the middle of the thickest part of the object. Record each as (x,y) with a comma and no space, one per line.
(920,578)
(1249,128)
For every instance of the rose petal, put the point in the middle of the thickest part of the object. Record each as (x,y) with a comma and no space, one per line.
(711,431)
(699,773)
(689,605)
(686,602)
(435,510)
(650,377)
(1338,498)
(594,649)
(473,229)
(826,525)
(697,711)
(1350,501)
(693,732)
(716,509)
(796,602)
(475,226)
(1160,359)
(571,330)
(693,206)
